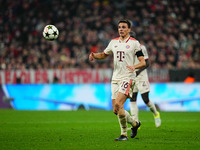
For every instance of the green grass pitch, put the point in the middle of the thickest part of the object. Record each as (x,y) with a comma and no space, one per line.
(95,130)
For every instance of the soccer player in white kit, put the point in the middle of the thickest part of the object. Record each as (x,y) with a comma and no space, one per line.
(124,49)
(141,84)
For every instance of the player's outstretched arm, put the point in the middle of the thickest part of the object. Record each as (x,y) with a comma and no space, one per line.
(93,56)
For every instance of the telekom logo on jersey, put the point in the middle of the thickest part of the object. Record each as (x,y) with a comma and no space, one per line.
(120,55)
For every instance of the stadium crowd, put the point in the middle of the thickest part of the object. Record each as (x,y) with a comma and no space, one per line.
(169,29)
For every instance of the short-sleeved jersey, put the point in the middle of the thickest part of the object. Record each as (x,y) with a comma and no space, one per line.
(124,55)
(143,76)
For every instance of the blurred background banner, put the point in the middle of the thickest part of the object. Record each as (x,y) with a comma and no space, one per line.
(167,96)
(56,76)
(59,96)
(174,96)
(88,76)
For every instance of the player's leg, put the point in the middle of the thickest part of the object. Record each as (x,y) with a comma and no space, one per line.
(134,112)
(129,119)
(133,99)
(134,107)
(144,88)
(123,115)
(122,119)
(150,104)
(135,124)
(119,110)
(122,95)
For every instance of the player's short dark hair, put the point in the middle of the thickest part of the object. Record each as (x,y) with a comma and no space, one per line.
(128,22)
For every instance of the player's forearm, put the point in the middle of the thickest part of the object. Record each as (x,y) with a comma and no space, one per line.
(99,55)
(143,68)
(141,64)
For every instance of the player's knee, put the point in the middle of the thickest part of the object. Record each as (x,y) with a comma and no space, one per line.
(117,106)
(145,97)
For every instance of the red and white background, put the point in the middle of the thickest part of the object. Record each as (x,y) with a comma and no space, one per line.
(70,76)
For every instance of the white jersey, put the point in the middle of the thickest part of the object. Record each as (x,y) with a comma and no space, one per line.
(143,76)
(124,55)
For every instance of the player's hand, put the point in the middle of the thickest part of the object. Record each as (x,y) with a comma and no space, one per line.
(130,68)
(91,56)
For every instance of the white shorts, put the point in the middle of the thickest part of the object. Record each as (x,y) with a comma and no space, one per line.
(120,86)
(140,86)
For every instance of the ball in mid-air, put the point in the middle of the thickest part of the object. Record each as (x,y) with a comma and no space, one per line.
(50,32)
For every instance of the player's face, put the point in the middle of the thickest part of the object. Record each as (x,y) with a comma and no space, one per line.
(123,30)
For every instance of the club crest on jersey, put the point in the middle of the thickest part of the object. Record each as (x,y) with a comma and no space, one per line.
(127,46)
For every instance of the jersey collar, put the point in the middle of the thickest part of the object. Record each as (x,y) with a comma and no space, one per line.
(125,41)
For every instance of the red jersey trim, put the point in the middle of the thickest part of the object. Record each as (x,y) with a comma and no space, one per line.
(128,39)
(128,88)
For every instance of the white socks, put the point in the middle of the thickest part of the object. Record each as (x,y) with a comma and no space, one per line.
(134,110)
(152,107)
(123,124)
(123,120)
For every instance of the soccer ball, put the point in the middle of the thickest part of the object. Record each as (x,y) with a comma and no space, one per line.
(50,32)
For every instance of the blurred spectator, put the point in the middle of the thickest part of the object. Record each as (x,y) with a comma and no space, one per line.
(170,29)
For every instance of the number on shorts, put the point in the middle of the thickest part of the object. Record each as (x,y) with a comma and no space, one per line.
(125,84)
